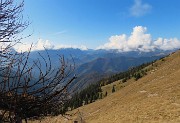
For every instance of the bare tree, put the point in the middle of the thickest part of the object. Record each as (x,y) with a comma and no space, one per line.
(27,91)
(28,88)
(11,23)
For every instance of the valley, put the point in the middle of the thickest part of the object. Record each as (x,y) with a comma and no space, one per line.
(93,65)
(154,98)
(89,61)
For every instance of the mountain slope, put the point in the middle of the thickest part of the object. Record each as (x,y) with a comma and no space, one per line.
(153,98)
(91,72)
(93,65)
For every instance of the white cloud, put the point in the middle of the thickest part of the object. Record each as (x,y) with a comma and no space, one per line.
(140,40)
(22,47)
(82,47)
(116,42)
(139,8)
(167,44)
(41,45)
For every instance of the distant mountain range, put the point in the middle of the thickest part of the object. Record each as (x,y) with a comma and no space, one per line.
(152,98)
(93,65)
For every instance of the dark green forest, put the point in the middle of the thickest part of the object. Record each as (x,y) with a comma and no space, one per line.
(94,92)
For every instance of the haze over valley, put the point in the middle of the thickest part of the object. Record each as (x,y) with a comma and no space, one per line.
(89,61)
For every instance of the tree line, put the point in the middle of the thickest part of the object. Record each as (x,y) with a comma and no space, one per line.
(94,92)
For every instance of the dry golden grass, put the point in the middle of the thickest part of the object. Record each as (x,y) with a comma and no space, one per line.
(155,98)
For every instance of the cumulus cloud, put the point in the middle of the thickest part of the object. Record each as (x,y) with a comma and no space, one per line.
(167,44)
(139,40)
(139,8)
(115,42)
(44,44)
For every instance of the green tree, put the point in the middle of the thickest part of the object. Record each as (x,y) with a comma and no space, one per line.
(138,76)
(106,94)
(101,96)
(124,80)
(113,89)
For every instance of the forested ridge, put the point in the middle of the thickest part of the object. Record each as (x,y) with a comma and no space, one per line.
(94,91)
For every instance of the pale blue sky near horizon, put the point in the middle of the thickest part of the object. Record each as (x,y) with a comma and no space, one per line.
(93,22)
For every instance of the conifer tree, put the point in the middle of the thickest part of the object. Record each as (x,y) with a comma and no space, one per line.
(113,89)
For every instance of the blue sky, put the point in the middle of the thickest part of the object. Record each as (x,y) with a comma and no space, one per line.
(93,22)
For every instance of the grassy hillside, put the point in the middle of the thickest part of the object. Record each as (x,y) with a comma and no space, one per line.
(91,72)
(152,99)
